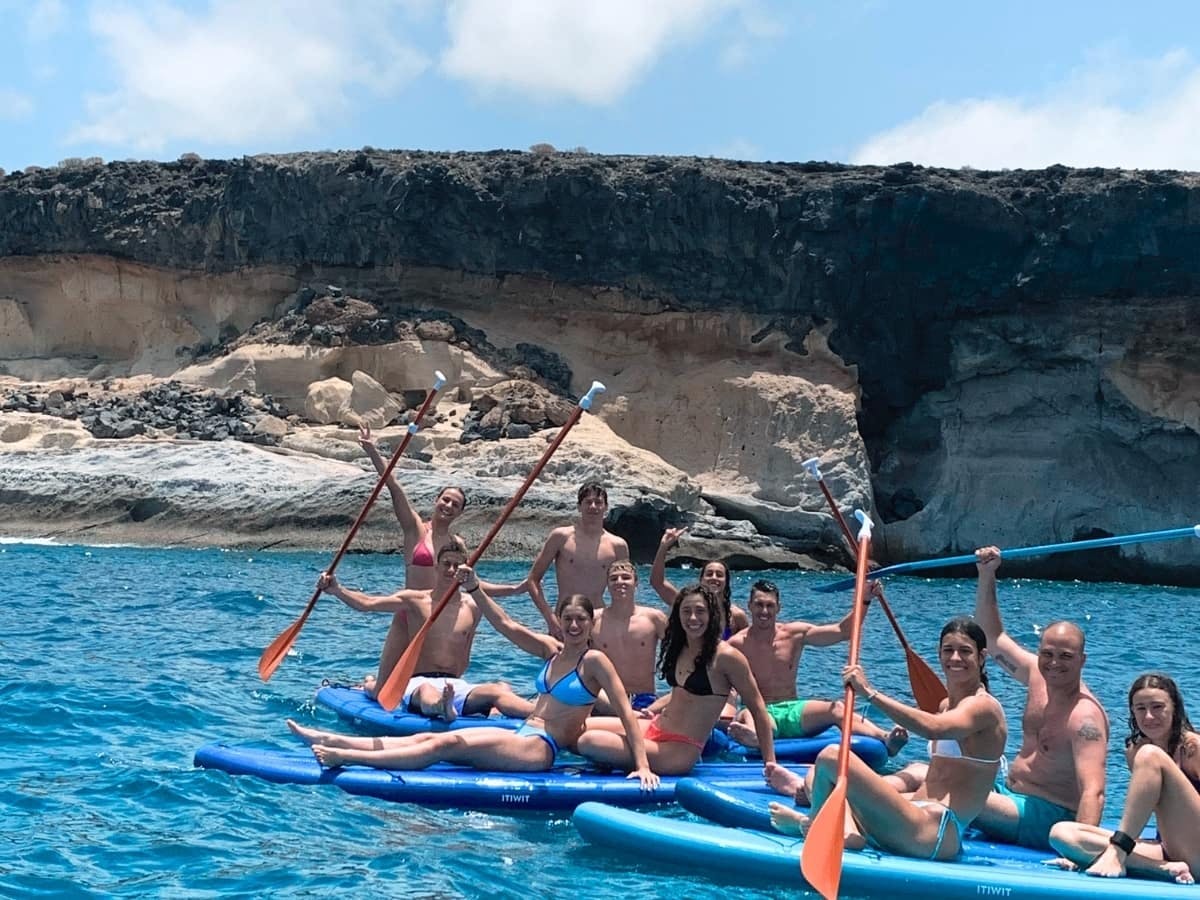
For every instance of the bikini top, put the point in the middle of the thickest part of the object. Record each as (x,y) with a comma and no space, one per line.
(423,554)
(951,749)
(569,690)
(696,683)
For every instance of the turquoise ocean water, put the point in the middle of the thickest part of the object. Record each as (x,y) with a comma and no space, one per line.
(119,662)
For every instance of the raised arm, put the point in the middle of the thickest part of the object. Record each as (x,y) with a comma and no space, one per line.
(537,572)
(737,670)
(363,602)
(1009,655)
(600,667)
(406,515)
(1089,744)
(539,645)
(658,572)
(505,590)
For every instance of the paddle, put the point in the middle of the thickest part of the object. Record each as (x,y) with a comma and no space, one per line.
(1144,537)
(821,858)
(927,688)
(278,648)
(392,690)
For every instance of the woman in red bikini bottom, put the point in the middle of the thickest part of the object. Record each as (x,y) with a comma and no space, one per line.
(701,669)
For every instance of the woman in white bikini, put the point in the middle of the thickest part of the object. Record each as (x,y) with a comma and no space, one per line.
(966,748)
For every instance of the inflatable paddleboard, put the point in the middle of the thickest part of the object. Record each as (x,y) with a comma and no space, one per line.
(740,854)
(353,705)
(562,788)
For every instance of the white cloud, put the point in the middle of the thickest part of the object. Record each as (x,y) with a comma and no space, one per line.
(14,104)
(591,51)
(44,18)
(1111,112)
(758,28)
(257,71)
(738,148)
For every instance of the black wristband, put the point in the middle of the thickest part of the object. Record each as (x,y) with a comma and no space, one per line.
(471,590)
(1122,841)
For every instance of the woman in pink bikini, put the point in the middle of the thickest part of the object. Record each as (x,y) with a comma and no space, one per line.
(701,669)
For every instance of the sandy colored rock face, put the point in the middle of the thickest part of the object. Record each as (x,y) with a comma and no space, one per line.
(370,403)
(328,401)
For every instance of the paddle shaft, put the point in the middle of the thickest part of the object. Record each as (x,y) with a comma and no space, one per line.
(392,690)
(273,655)
(1145,537)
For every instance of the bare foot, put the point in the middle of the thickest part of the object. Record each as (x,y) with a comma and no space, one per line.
(329,757)
(310,736)
(1107,864)
(786,820)
(449,713)
(786,782)
(1179,871)
(896,740)
(743,734)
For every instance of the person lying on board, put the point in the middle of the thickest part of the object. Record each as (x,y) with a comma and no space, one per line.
(629,635)
(572,678)
(580,553)
(438,689)
(1058,774)
(714,575)
(1163,753)
(966,748)
(701,670)
(773,649)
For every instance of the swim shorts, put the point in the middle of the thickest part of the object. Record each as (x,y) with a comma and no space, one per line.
(788,715)
(461,689)
(1035,816)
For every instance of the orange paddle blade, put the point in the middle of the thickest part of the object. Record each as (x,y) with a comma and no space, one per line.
(821,858)
(278,648)
(927,688)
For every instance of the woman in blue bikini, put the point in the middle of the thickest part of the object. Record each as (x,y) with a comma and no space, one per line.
(568,684)
(1163,753)
(966,748)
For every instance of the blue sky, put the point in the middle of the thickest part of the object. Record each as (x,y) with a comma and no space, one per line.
(991,85)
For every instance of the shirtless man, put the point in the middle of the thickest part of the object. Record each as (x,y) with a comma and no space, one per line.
(773,649)
(437,689)
(1058,774)
(629,636)
(580,553)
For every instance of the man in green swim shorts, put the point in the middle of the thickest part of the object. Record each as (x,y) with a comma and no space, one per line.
(773,650)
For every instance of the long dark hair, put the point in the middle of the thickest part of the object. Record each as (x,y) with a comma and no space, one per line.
(1179,718)
(726,597)
(970,629)
(675,640)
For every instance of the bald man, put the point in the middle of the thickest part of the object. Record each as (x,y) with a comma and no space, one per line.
(1058,774)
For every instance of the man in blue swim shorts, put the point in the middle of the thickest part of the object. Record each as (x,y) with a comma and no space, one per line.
(628,634)
(1058,774)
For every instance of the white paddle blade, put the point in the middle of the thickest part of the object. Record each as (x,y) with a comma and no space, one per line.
(596,388)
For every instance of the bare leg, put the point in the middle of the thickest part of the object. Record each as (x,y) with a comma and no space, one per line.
(493,695)
(609,746)
(1156,785)
(492,748)
(312,736)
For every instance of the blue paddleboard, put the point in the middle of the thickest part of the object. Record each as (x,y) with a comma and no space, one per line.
(563,787)
(356,707)
(737,854)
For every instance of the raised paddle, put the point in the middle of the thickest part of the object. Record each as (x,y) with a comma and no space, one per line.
(392,690)
(927,688)
(821,858)
(1145,537)
(278,648)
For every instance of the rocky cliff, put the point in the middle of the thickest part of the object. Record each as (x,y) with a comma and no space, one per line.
(984,357)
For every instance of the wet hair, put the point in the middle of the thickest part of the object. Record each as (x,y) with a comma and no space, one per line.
(622,565)
(455,545)
(675,640)
(591,489)
(1179,717)
(969,628)
(453,487)
(726,597)
(763,586)
(581,600)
